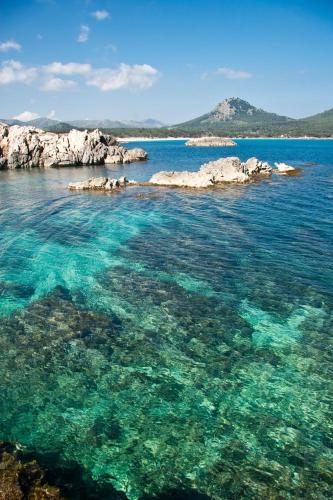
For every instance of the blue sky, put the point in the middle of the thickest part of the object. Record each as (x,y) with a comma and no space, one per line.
(166,59)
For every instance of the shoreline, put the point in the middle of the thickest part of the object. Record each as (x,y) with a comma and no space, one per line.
(160,139)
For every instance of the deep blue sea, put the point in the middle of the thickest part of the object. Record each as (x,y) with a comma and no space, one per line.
(168,343)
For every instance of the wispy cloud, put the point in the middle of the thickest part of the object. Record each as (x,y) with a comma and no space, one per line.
(204,75)
(26,116)
(71,68)
(51,114)
(84,34)
(112,47)
(137,76)
(234,74)
(58,84)
(100,15)
(9,45)
(14,71)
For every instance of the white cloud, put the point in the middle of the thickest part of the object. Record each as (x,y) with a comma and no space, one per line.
(204,76)
(58,84)
(26,116)
(84,34)
(67,68)
(137,76)
(234,74)
(9,45)
(13,71)
(100,15)
(51,114)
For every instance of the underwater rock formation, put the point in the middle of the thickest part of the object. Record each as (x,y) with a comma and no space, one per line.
(210,142)
(26,147)
(224,170)
(22,480)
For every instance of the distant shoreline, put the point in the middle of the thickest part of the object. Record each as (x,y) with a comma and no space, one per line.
(159,139)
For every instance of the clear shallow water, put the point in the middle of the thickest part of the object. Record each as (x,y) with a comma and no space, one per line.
(160,340)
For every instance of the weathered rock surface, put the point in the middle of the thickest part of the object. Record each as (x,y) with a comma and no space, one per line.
(210,142)
(26,147)
(183,179)
(283,168)
(100,184)
(224,170)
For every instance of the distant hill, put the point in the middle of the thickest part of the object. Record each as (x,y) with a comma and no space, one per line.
(233,117)
(50,125)
(234,114)
(320,121)
(107,124)
(58,126)
(236,117)
(11,121)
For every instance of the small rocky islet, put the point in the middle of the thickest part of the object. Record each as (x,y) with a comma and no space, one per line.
(224,171)
(210,141)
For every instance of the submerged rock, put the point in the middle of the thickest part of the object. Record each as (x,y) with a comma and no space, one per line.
(210,142)
(100,184)
(224,170)
(22,480)
(26,147)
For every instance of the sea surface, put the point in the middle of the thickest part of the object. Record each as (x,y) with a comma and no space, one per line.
(168,343)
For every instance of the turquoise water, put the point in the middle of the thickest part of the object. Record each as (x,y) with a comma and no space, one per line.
(163,343)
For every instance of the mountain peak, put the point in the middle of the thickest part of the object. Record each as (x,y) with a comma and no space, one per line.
(232,108)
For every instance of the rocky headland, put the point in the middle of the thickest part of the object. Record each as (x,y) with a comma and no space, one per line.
(210,142)
(27,147)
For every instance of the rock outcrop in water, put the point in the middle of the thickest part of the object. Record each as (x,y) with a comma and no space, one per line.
(283,168)
(210,142)
(100,184)
(224,170)
(26,147)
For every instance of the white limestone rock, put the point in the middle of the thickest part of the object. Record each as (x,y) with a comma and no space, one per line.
(182,179)
(224,170)
(100,184)
(283,168)
(210,142)
(27,147)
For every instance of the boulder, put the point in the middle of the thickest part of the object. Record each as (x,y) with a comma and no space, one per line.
(226,170)
(210,142)
(182,179)
(26,147)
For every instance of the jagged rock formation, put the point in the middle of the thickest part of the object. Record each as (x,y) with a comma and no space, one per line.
(27,147)
(224,170)
(210,141)
(100,184)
